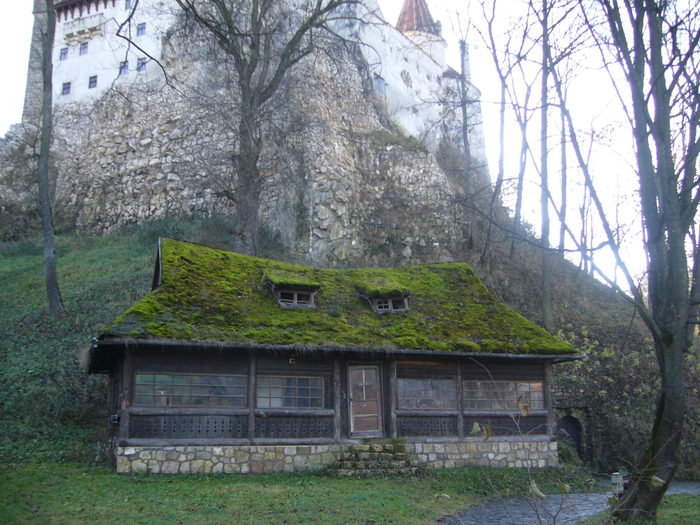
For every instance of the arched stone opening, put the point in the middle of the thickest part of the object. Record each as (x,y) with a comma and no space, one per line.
(572,427)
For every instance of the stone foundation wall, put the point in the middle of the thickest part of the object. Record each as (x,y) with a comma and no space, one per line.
(536,451)
(496,452)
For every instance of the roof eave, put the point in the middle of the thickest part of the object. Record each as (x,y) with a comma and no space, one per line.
(321,349)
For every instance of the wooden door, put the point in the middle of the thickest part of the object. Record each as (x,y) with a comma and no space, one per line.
(365,402)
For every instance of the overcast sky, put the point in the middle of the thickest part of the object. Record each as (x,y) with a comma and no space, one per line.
(15,35)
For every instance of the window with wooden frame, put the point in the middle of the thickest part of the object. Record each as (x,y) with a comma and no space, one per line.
(503,395)
(289,392)
(190,390)
(389,304)
(427,394)
(294,298)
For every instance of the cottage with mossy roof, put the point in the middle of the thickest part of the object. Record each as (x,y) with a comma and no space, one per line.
(235,363)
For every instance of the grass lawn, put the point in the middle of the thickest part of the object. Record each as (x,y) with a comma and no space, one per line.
(676,509)
(74,493)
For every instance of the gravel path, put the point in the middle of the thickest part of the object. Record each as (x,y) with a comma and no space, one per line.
(562,509)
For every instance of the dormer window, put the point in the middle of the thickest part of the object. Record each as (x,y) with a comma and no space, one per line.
(288,298)
(292,290)
(389,305)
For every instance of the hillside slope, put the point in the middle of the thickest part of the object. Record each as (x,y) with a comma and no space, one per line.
(51,410)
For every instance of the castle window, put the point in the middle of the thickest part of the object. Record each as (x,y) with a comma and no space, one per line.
(127,4)
(141,29)
(387,305)
(63,54)
(141,64)
(124,67)
(380,85)
(84,48)
(65,89)
(92,82)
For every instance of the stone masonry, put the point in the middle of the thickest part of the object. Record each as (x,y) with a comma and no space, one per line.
(518,452)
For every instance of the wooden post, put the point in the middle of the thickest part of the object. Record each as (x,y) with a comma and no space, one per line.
(460,403)
(548,398)
(393,396)
(252,372)
(337,400)
(125,397)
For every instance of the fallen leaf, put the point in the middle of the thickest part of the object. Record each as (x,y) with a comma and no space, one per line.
(535,491)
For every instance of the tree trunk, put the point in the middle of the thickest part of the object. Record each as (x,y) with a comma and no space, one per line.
(562,208)
(249,185)
(653,475)
(521,178)
(499,177)
(44,201)
(547,314)
(465,116)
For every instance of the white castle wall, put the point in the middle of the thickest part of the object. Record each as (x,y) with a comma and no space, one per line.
(97,28)
(416,87)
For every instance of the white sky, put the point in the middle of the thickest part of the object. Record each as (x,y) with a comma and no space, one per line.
(15,35)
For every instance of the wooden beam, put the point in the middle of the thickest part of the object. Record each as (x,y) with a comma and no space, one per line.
(251,394)
(548,398)
(393,397)
(300,412)
(460,403)
(337,400)
(125,397)
(185,411)
(426,413)
(214,442)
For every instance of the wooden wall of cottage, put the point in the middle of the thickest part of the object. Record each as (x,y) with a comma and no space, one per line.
(229,397)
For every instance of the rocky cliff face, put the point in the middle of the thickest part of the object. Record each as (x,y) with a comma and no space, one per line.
(342,183)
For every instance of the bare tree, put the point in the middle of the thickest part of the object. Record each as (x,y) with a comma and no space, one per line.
(547,312)
(650,48)
(46,132)
(264,40)
(515,48)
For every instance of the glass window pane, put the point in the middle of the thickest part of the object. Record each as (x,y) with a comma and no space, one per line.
(502,395)
(189,390)
(427,394)
(289,392)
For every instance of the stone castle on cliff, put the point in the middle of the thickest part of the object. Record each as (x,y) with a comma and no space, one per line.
(363,158)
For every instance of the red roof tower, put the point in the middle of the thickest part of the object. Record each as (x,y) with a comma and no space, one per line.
(415,16)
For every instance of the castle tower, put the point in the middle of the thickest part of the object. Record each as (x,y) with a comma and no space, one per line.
(416,22)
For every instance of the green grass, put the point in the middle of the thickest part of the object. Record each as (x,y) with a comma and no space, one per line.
(676,509)
(49,408)
(73,493)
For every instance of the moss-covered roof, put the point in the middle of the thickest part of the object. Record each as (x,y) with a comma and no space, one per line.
(211,295)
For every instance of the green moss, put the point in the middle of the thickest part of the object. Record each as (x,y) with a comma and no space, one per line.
(381,285)
(213,295)
(288,278)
